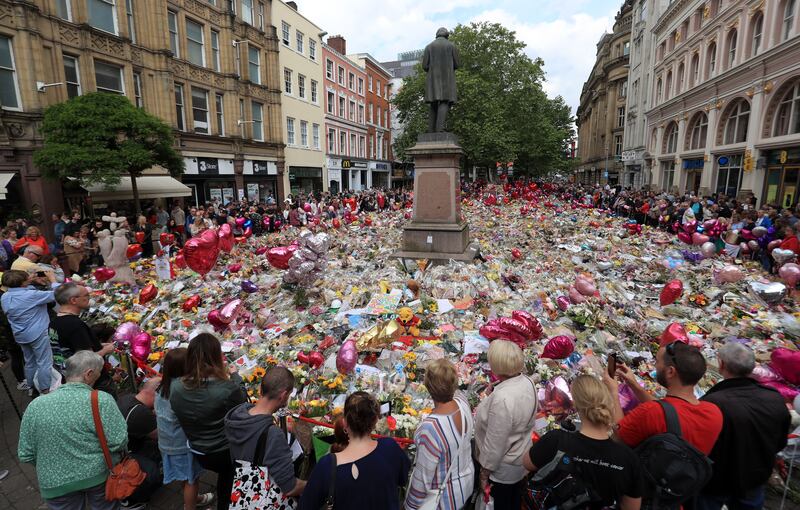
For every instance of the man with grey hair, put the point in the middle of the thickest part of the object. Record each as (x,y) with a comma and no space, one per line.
(29,261)
(71,469)
(755,428)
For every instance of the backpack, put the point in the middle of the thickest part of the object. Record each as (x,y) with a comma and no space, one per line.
(674,470)
(558,485)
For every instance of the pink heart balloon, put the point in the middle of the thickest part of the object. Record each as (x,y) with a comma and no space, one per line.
(279,256)
(126,332)
(790,273)
(563,303)
(558,347)
(585,286)
(347,357)
(141,345)
(230,310)
(240,222)
(215,320)
(685,238)
(201,252)
(575,296)
(225,235)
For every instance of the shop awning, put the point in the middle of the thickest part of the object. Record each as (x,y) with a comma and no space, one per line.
(5,178)
(150,186)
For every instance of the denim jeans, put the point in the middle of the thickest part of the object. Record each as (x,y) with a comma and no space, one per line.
(752,500)
(38,362)
(77,500)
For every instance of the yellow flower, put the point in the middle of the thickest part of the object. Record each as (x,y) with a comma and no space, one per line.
(410,410)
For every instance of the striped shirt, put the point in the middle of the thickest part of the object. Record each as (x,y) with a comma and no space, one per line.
(438,440)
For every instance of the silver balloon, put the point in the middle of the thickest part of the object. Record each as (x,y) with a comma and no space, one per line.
(771,293)
(708,249)
(759,232)
(782,256)
(295,261)
(306,254)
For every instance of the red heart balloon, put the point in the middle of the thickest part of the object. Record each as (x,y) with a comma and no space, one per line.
(240,222)
(671,292)
(247,232)
(262,250)
(302,358)
(674,333)
(516,254)
(225,235)
(337,223)
(180,261)
(147,293)
(166,239)
(139,236)
(279,256)
(134,250)
(201,252)
(235,268)
(103,274)
(215,320)
(685,238)
(368,221)
(316,359)
(192,302)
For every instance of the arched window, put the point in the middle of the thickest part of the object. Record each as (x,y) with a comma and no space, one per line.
(698,132)
(787,119)
(681,73)
(757,34)
(737,123)
(788,19)
(668,86)
(659,91)
(732,40)
(671,138)
(712,61)
(695,70)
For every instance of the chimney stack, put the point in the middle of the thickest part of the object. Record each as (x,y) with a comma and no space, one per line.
(338,43)
(293,5)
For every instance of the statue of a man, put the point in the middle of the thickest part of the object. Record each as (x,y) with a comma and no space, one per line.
(440,62)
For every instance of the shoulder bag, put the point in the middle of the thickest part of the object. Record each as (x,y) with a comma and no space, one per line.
(127,475)
(252,487)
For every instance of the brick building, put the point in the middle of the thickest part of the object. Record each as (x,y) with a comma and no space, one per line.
(209,69)
(345,118)
(379,120)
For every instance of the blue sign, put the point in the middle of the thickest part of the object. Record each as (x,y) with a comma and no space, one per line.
(693,164)
(723,161)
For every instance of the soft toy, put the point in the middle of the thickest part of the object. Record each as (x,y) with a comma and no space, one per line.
(408,321)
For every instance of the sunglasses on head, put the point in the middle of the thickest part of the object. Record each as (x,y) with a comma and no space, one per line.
(670,350)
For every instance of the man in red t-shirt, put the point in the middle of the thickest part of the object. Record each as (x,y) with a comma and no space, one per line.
(679,367)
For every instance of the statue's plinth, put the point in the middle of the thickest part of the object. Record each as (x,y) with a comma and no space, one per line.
(436,231)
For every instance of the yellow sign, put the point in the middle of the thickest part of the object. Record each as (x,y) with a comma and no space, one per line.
(346,163)
(784,157)
(748,164)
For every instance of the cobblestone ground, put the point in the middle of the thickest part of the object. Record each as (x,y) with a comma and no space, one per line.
(19,491)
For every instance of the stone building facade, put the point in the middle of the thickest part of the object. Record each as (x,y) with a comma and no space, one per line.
(345,118)
(379,120)
(601,114)
(640,76)
(301,101)
(725,111)
(209,69)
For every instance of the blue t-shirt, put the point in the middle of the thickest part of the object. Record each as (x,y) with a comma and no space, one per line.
(380,475)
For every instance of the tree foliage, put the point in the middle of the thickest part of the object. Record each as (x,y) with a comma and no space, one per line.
(100,137)
(502,114)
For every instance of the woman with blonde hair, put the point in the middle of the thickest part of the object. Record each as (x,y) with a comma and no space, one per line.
(503,424)
(608,469)
(443,474)
(33,237)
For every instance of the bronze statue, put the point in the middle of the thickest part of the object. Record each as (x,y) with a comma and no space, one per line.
(440,62)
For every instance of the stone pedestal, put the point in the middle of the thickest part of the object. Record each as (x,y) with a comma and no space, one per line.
(436,231)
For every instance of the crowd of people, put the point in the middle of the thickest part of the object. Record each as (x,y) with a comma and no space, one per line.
(195,415)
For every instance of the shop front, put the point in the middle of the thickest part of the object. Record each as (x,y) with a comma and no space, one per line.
(693,170)
(729,174)
(379,174)
(305,179)
(210,179)
(261,181)
(355,173)
(783,177)
(335,175)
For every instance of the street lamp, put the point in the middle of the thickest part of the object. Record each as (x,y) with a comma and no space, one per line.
(606,172)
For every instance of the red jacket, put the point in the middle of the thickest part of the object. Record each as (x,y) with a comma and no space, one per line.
(27,241)
(791,243)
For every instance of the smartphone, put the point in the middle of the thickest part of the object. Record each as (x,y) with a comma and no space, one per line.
(612,364)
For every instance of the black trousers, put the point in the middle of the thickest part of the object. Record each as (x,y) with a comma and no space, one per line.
(507,495)
(221,464)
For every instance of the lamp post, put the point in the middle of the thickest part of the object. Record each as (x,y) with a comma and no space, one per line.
(605,174)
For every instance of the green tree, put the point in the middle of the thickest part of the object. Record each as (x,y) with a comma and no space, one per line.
(100,137)
(502,114)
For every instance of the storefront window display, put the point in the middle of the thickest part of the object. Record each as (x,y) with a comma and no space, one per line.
(729,174)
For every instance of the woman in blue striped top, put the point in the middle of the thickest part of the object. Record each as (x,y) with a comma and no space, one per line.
(443,476)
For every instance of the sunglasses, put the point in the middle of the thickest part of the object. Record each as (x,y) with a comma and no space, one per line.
(670,350)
